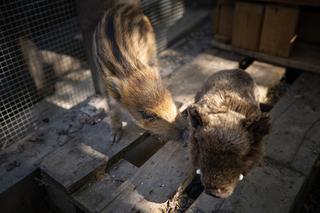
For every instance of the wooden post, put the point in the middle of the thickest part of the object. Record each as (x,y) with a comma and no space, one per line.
(223,19)
(247,24)
(89,14)
(279,29)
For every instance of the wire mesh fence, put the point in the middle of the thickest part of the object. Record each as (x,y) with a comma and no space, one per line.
(163,15)
(41,60)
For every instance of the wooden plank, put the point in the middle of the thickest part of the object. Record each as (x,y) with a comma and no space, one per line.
(278,30)
(247,25)
(57,197)
(295,121)
(173,168)
(267,189)
(132,201)
(304,57)
(158,180)
(58,126)
(266,76)
(81,163)
(291,2)
(224,16)
(99,137)
(185,82)
(215,20)
(55,131)
(90,151)
(292,149)
(89,196)
(205,203)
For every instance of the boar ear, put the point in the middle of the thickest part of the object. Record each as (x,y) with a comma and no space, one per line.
(194,117)
(258,127)
(114,88)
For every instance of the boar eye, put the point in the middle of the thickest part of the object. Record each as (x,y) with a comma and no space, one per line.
(148,116)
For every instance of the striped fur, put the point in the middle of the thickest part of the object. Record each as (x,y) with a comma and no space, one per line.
(124,52)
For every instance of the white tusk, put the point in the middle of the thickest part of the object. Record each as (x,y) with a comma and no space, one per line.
(124,124)
(198,171)
(240,177)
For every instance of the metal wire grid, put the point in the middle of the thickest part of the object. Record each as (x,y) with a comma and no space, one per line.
(41,59)
(163,14)
(39,47)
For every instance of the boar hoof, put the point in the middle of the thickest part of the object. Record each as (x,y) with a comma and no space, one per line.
(116,134)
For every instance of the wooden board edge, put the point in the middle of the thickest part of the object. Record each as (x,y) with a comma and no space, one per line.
(287,62)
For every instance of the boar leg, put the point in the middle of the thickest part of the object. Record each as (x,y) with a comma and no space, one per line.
(115,116)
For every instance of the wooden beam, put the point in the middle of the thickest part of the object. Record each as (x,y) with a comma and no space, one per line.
(247,24)
(303,57)
(296,124)
(205,203)
(89,152)
(279,30)
(185,82)
(266,76)
(73,164)
(291,2)
(89,196)
(156,181)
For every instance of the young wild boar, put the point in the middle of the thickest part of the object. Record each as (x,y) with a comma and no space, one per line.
(227,127)
(124,52)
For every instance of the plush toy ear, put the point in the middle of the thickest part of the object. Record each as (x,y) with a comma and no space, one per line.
(258,128)
(194,117)
(114,88)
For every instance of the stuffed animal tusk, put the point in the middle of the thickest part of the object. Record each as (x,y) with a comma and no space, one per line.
(240,177)
(198,171)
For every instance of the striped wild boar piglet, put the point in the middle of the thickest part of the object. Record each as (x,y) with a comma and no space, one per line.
(124,53)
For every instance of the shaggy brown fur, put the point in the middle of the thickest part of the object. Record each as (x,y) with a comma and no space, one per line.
(125,54)
(227,127)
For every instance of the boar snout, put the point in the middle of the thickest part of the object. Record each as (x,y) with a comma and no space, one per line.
(180,129)
(220,192)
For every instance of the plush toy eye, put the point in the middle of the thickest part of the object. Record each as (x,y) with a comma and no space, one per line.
(148,116)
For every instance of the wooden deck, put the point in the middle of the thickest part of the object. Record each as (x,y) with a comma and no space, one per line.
(86,172)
